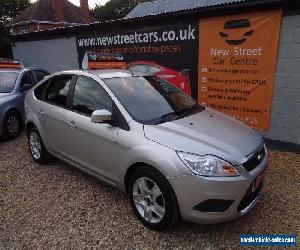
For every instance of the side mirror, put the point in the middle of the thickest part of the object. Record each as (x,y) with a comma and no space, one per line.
(101,116)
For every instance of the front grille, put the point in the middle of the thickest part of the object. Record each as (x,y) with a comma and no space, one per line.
(255,160)
(249,197)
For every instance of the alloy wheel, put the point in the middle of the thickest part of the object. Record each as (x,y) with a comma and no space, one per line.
(148,200)
(35,145)
(12,125)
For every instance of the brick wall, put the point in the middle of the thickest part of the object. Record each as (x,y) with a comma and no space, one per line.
(35,27)
(85,10)
(285,115)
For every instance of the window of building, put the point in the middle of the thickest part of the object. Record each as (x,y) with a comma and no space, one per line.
(25,28)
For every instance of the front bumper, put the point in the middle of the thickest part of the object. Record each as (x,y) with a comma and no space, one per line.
(192,190)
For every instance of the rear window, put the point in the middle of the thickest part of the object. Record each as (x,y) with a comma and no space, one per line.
(7,81)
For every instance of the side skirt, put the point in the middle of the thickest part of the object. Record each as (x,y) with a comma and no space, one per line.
(85,170)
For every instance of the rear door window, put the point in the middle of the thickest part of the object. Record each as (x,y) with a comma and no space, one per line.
(57,91)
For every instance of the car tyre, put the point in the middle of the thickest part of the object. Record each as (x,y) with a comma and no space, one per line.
(12,125)
(36,146)
(153,199)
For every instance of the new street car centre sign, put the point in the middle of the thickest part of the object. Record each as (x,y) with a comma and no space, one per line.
(237,60)
(227,63)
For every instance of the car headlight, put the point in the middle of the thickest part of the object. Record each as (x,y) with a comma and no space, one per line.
(207,165)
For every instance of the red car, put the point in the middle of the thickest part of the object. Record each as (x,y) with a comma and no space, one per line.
(180,80)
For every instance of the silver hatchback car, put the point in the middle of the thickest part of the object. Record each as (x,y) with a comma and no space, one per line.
(145,137)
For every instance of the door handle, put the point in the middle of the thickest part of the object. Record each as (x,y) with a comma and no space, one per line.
(41,111)
(72,124)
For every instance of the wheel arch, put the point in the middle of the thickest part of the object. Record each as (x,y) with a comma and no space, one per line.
(28,126)
(33,121)
(14,110)
(3,114)
(133,167)
(168,188)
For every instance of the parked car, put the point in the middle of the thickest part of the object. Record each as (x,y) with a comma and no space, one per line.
(14,83)
(147,138)
(180,80)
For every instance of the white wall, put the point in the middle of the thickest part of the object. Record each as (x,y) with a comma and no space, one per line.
(285,115)
(52,55)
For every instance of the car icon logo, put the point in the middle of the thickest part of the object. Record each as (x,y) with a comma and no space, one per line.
(93,57)
(236,25)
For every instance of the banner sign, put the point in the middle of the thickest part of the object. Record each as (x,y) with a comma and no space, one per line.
(236,69)
(94,60)
(168,51)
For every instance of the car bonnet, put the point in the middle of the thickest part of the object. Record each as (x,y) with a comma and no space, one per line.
(207,132)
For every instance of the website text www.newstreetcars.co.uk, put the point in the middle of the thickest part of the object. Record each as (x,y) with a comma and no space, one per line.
(140,37)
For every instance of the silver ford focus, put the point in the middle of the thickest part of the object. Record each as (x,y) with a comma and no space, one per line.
(145,137)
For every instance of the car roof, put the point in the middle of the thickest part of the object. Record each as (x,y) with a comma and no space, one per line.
(116,73)
(105,73)
(35,68)
(102,73)
(110,73)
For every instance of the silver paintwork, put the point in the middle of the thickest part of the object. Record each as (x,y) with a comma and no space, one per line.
(100,116)
(107,152)
(110,73)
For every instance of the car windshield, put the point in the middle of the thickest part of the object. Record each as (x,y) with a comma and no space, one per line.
(7,81)
(151,100)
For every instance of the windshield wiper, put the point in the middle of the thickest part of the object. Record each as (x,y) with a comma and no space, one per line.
(168,117)
(186,111)
(181,113)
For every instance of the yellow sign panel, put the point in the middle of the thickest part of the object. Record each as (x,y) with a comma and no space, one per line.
(237,60)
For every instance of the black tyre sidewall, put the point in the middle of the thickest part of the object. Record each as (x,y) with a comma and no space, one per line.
(171,207)
(5,134)
(44,158)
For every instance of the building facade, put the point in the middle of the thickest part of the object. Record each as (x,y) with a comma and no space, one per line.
(64,48)
(50,14)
